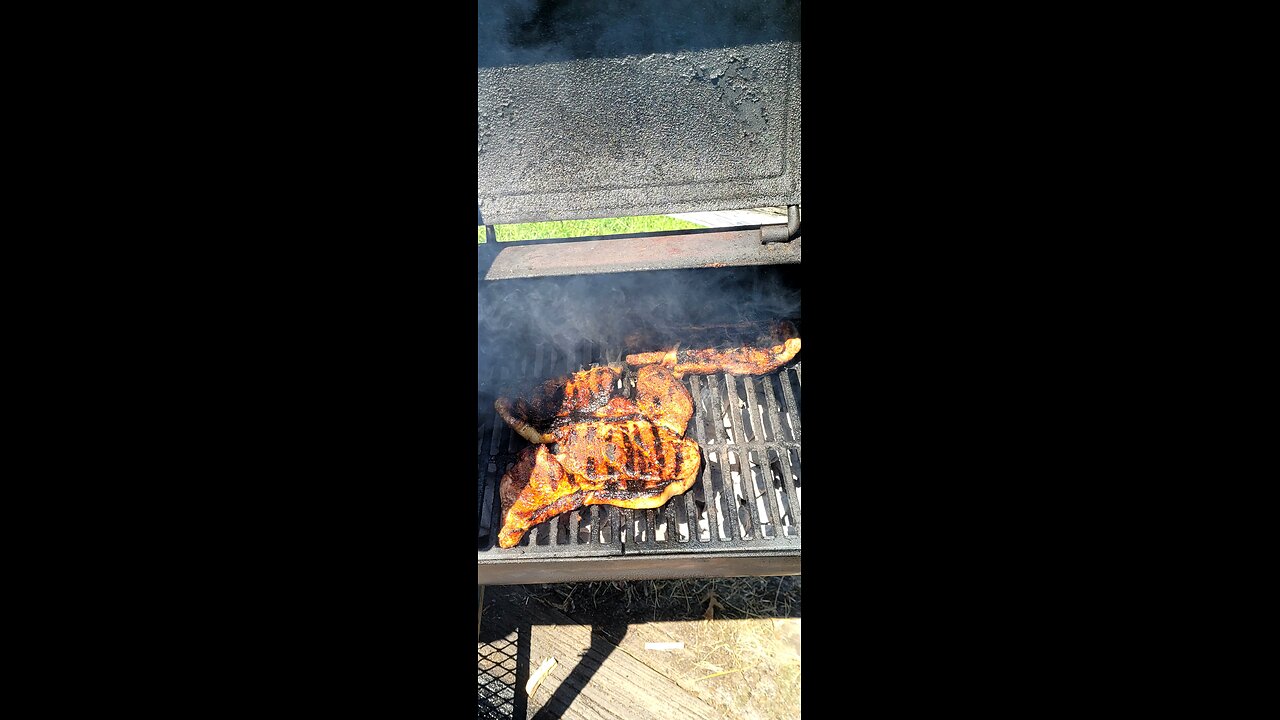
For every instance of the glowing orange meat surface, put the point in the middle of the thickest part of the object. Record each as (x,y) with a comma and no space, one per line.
(748,360)
(597,447)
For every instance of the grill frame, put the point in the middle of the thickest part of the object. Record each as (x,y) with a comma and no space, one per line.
(766,426)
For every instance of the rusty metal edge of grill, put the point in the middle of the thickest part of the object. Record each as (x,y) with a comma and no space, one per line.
(718,247)
(640,567)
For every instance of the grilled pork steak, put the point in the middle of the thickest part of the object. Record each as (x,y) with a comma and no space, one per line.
(584,395)
(631,464)
(593,445)
(663,399)
(608,448)
(713,335)
(748,360)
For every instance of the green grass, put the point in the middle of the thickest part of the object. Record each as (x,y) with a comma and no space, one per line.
(581,228)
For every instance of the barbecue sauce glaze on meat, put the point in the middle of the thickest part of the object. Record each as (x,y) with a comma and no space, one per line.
(602,464)
(584,395)
(608,449)
(748,360)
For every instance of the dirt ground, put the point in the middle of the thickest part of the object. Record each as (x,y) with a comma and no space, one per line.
(740,637)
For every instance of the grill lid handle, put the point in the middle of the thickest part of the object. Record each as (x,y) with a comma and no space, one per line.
(779,233)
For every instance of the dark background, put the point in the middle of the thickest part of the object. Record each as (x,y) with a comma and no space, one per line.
(293,344)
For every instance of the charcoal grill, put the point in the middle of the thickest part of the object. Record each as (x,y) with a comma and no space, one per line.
(742,517)
(591,110)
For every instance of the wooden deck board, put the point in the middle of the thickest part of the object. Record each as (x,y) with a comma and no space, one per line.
(593,678)
(765,668)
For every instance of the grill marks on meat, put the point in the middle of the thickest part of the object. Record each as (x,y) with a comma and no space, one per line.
(584,395)
(586,391)
(608,449)
(749,360)
(594,446)
(662,399)
(534,490)
(632,465)
(635,453)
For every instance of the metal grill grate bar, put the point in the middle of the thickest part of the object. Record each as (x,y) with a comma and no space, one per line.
(769,518)
(673,525)
(481,462)
(740,461)
(761,454)
(784,458)
(792,410)
(497,437)
(706,439)
(487,509)
(776,421)
(495,503)
(691,519)
(730,499)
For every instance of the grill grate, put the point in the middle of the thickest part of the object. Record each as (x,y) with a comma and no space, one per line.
(747,498)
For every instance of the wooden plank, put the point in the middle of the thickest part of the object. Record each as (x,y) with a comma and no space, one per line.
(758,647)
(593,679)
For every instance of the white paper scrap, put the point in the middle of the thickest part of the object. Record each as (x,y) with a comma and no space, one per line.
(536,678)
(664,646)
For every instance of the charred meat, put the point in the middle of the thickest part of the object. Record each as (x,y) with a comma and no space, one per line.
(712,335)
(749,360)
(597,447)
(584,395)
(630,464)
(663,399)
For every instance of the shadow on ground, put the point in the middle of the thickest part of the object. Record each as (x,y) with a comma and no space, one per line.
(723,618)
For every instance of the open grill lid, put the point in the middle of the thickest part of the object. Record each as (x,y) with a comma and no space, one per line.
(590,109)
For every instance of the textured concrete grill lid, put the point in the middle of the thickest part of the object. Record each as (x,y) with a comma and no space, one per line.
(591,108)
